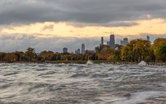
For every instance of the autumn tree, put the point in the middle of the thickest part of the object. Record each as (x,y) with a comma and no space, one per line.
(117,53)
(136,51)
(57,56)
(20,56)
(30,54)
(2,55)
(46,55)
(10,57)
(101,48)
(115,56)
(159,48)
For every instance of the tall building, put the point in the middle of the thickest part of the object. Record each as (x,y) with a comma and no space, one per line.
(83,48)
(148,38)
(112,41)
(65,50)
(124,41)
(77,51)
(108,43)
(90,51)
(102,41)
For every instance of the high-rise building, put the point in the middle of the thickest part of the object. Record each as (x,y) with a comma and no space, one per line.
(90,51)
(124,41)
(77,51)
(83,48)
(112,41)
(108,43)
(102,41)
(65,50)
(148,38)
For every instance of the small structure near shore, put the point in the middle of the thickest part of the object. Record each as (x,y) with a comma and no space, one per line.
(142,63)
(89,62)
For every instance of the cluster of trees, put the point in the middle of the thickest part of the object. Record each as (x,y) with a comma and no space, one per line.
(135,51)
(29,55)
(138,50)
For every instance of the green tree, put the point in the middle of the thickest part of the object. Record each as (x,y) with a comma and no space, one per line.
(30,54)
(101,48)
(2,55)
(159,48)
(116,56)
(106,54)
(20,56)
(10,57)
(136,51)
(46,55)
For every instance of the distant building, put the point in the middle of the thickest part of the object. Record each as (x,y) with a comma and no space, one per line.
(111,43)
(90,51)
(124,41)
(102,41)
(65,50)
(148,38)
(77,51)
(108,43)
(83,48)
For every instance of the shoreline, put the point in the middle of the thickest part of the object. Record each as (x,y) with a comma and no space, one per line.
(85,62)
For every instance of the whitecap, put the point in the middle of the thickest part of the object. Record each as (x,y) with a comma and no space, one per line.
(142,63)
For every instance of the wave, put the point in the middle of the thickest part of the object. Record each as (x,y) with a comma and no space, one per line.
(79,84)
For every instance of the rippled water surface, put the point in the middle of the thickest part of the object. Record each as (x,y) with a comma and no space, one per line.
(82,84)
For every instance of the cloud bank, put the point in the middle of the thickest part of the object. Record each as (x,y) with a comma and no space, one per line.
(19,42)
(96,12)
(54,24)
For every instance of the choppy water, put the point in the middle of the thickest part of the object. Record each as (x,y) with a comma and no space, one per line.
(82,84)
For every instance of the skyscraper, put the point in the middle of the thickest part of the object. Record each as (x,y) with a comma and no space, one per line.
(124,41)
(102,41)
(77,51)
(65,50)
(148,38)
(83,48)
(112,41)
(108,43)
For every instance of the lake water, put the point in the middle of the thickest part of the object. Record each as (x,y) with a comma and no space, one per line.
(82,84)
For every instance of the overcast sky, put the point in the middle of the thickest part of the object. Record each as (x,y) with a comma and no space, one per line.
(66,18)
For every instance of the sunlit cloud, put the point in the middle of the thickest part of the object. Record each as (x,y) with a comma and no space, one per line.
(54,24)
(64,29)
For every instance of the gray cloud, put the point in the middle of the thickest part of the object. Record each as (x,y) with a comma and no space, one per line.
(75,12)
(18,42)
(98,12)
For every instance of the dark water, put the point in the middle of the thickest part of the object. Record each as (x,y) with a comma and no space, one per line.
(82,84)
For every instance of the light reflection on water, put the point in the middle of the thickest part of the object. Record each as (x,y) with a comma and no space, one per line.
(82,84)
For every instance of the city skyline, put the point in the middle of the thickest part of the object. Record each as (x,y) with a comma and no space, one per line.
(53,24)
(111,43)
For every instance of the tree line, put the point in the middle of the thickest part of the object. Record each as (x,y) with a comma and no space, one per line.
(134,51)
